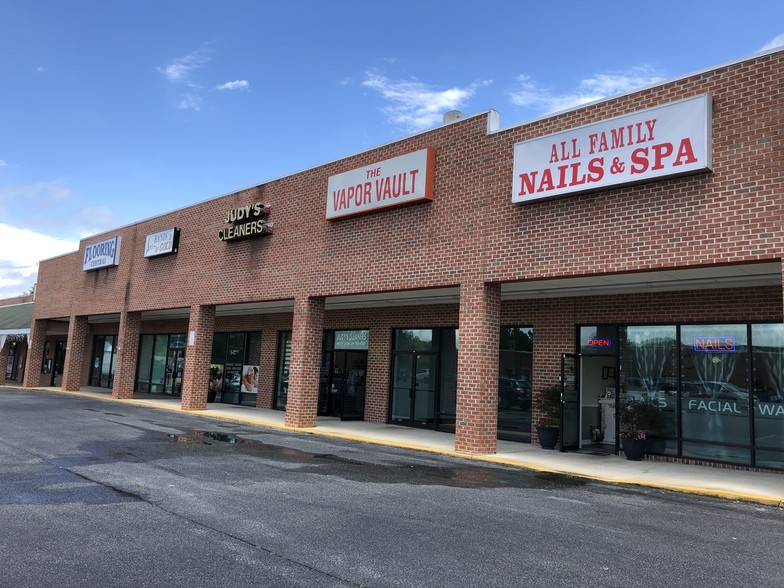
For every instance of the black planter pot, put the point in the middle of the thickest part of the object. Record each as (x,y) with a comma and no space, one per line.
(634,448)
(547,438)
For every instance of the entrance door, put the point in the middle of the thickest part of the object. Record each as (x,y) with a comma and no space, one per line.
(10,368)
(414,388)
(59,363)
(570,402)
(345,393)
(175,362)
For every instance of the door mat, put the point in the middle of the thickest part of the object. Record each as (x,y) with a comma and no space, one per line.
(595,451)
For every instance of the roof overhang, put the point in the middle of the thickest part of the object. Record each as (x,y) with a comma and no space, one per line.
(698,278)
(748,275)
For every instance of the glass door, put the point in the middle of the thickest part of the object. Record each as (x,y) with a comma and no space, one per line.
(59,362)
(342,385)
(570,402)
(353,384)
(175,362)
(414,387)
(402,386)
(425,388)
(102,366)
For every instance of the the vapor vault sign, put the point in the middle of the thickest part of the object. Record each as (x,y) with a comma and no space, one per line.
(404,179)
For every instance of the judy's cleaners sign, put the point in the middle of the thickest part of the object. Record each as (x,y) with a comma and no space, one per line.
(401,180)
(672,139)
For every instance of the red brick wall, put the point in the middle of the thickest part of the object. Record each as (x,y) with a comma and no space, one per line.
(471,229)
(16,300)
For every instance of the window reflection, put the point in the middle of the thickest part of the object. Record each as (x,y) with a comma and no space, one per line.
(648,372)
(768,393)
(515,363)
(714,391)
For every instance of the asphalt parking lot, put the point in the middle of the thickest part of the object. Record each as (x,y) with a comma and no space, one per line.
(99,493)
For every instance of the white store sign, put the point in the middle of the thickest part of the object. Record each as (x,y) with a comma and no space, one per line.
(392,182)
(161,243)
(668,140)
(103,254)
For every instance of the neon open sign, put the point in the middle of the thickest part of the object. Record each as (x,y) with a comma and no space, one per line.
(603,343)
(714,344)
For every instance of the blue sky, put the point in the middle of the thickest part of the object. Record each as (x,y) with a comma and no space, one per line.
(113,112)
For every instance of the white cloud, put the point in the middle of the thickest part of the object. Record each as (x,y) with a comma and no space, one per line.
(530,94)
(40,68)
(415,106)
(776,41)
(34,206)
(179,71)
(3,163)
(20,252)
(235,85)
(92,220)
(189,102)
(32,197)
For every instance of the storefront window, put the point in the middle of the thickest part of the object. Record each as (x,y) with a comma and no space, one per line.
(515,363)
(46,361)
(719,388)
(649,373)
(768,394)
(448,380)
(715,392)
(145,364)
(413,339)
(102,365)
(599,340)
(424,378)
(161,364)
(282,371)
(343,374)
(234,368)
(158,377)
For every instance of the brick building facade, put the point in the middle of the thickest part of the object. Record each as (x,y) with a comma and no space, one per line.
(455,310)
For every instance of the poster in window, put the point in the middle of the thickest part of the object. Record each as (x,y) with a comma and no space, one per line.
(250,379)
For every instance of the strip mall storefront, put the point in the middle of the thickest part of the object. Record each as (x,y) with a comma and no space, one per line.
(628,249)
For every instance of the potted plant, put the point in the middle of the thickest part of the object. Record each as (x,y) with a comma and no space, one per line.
(637,418)
(548,405)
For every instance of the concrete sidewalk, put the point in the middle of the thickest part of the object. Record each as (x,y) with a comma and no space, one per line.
(758,487)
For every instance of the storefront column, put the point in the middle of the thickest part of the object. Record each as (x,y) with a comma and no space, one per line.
(74,353)
(5,346)
(306,337)
(198,353)
(127,355)
(477,368)
(35,354)
(379,372)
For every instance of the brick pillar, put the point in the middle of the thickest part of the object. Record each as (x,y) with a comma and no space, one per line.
(378,373)
(198,353)
(127,355)
(306,337)
(35,354)
(477,368)
(74,353)
(5,347)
